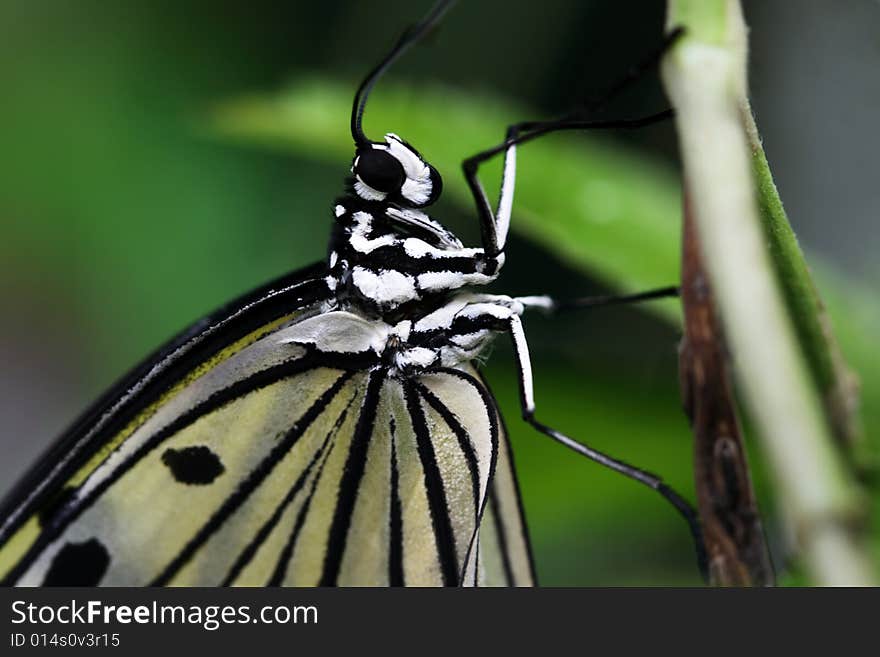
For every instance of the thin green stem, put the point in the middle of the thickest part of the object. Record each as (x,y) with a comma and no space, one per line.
(837,384)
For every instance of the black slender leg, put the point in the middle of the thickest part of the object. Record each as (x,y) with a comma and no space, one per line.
(551,305)
(527,401)
(688,512)
(493,229)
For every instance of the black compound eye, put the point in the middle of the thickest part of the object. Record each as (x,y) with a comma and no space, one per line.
(380,170)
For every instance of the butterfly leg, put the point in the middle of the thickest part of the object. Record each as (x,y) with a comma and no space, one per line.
(494,226)
(527,401)
(551,305)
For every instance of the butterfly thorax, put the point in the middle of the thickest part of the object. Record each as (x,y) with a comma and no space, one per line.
(384,257)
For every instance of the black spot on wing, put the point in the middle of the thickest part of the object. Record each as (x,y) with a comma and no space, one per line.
(78,564)
(196,465)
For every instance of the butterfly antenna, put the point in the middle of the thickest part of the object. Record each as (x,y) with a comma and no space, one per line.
(408,38)
(633,74)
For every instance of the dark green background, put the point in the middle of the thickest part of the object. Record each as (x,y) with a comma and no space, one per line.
(124,217)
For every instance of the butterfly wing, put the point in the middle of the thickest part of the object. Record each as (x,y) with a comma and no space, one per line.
(236,458)
(27,514)
(304,474)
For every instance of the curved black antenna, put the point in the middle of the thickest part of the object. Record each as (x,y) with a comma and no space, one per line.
(409,37)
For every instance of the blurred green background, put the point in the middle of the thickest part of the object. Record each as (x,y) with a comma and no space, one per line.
(157,159)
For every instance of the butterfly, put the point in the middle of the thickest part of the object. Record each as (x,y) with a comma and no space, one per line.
(328,428)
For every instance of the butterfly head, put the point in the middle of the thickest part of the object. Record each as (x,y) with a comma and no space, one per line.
(394,171)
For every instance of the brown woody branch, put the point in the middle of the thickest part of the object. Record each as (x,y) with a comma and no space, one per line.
(735,544)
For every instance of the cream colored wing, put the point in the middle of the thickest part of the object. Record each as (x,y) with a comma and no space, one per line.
(276,466)
(294,475)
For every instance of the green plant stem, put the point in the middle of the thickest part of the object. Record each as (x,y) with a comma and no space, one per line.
(705,77)
(837,384)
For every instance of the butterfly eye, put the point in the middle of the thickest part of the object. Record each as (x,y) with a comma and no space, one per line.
(380,170)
